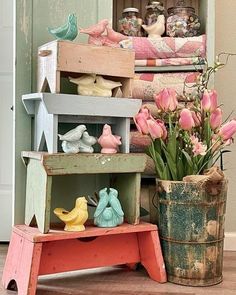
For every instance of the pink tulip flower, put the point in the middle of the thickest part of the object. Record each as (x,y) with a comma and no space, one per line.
(196,118)
(154,129)
(209,101)
(216,119)
(186,120)
(228,130)
(166,100)
(163,127)
(140,120)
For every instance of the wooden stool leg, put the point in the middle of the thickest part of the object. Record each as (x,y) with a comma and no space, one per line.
(22,265)
(151,255)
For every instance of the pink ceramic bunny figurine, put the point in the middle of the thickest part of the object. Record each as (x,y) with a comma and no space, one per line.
(108,141)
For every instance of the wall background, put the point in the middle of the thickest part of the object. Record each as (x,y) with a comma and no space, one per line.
(225,83)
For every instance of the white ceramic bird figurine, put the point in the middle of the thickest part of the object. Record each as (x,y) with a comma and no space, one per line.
(74,134)
(115,36)
(70,147)
(85,84)
(103,87)
(97,29)
(86,142)
(157,29)
(108,141)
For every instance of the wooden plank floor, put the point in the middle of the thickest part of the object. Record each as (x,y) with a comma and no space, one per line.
(122,281)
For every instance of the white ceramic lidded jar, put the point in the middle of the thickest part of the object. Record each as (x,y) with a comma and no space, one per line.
(130,23)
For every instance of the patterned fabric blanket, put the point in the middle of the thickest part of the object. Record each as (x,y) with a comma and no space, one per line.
(147,84)
(166,47)
(163,62)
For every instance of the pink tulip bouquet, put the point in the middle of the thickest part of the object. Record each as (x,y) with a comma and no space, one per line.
(188,135)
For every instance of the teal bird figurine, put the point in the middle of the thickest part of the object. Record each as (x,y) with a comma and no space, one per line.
(68,31)
(108,212)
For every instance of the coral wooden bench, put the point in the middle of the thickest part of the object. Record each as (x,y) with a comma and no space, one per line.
(32,253)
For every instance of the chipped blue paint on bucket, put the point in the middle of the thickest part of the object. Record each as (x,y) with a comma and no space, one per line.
(191,228)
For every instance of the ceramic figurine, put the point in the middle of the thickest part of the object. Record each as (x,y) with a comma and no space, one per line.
(77,140)
(97,29)
(68,31)
(114,36)
(76,218)
(103,87)
(108,141)
(86,142)
(157,29)
(85,84)
(70,147)
(108,212)
(74,134)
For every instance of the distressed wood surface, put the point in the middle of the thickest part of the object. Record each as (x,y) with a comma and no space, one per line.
(150,247)
(70,57)
(56,234)
(191,221)
(67,104)
(27,259)
(74,254)
(50,109)
(22,265)
(61,163)
(124,171)
(128,186)
(38,196)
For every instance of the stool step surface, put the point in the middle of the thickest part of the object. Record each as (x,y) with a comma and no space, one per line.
(34,235)
(31,254)
(61,164)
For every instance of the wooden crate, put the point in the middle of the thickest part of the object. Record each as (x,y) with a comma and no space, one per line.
(59,58)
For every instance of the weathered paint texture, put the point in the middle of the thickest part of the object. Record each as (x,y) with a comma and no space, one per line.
(191,224)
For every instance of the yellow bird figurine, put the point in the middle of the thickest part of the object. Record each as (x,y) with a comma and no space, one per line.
(76,218)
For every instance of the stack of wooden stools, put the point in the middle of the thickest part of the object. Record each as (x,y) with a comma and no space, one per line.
(46,249)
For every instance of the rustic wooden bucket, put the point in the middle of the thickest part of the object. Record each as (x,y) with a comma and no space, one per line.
(191,227)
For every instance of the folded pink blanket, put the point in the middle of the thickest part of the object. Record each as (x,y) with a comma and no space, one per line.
(166,47)
(147,84)
(163,62)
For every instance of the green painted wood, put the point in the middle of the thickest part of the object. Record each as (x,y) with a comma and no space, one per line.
(38,195)
(124,171)
(22,122)
(191,226)
(128,186)
(61,164)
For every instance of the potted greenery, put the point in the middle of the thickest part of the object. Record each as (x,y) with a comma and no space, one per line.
(186,140)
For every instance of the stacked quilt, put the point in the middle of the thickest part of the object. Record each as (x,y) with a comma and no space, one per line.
(167,50)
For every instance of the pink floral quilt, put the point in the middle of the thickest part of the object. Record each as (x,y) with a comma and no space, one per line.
(163,62)
(145,85)
(166,47)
